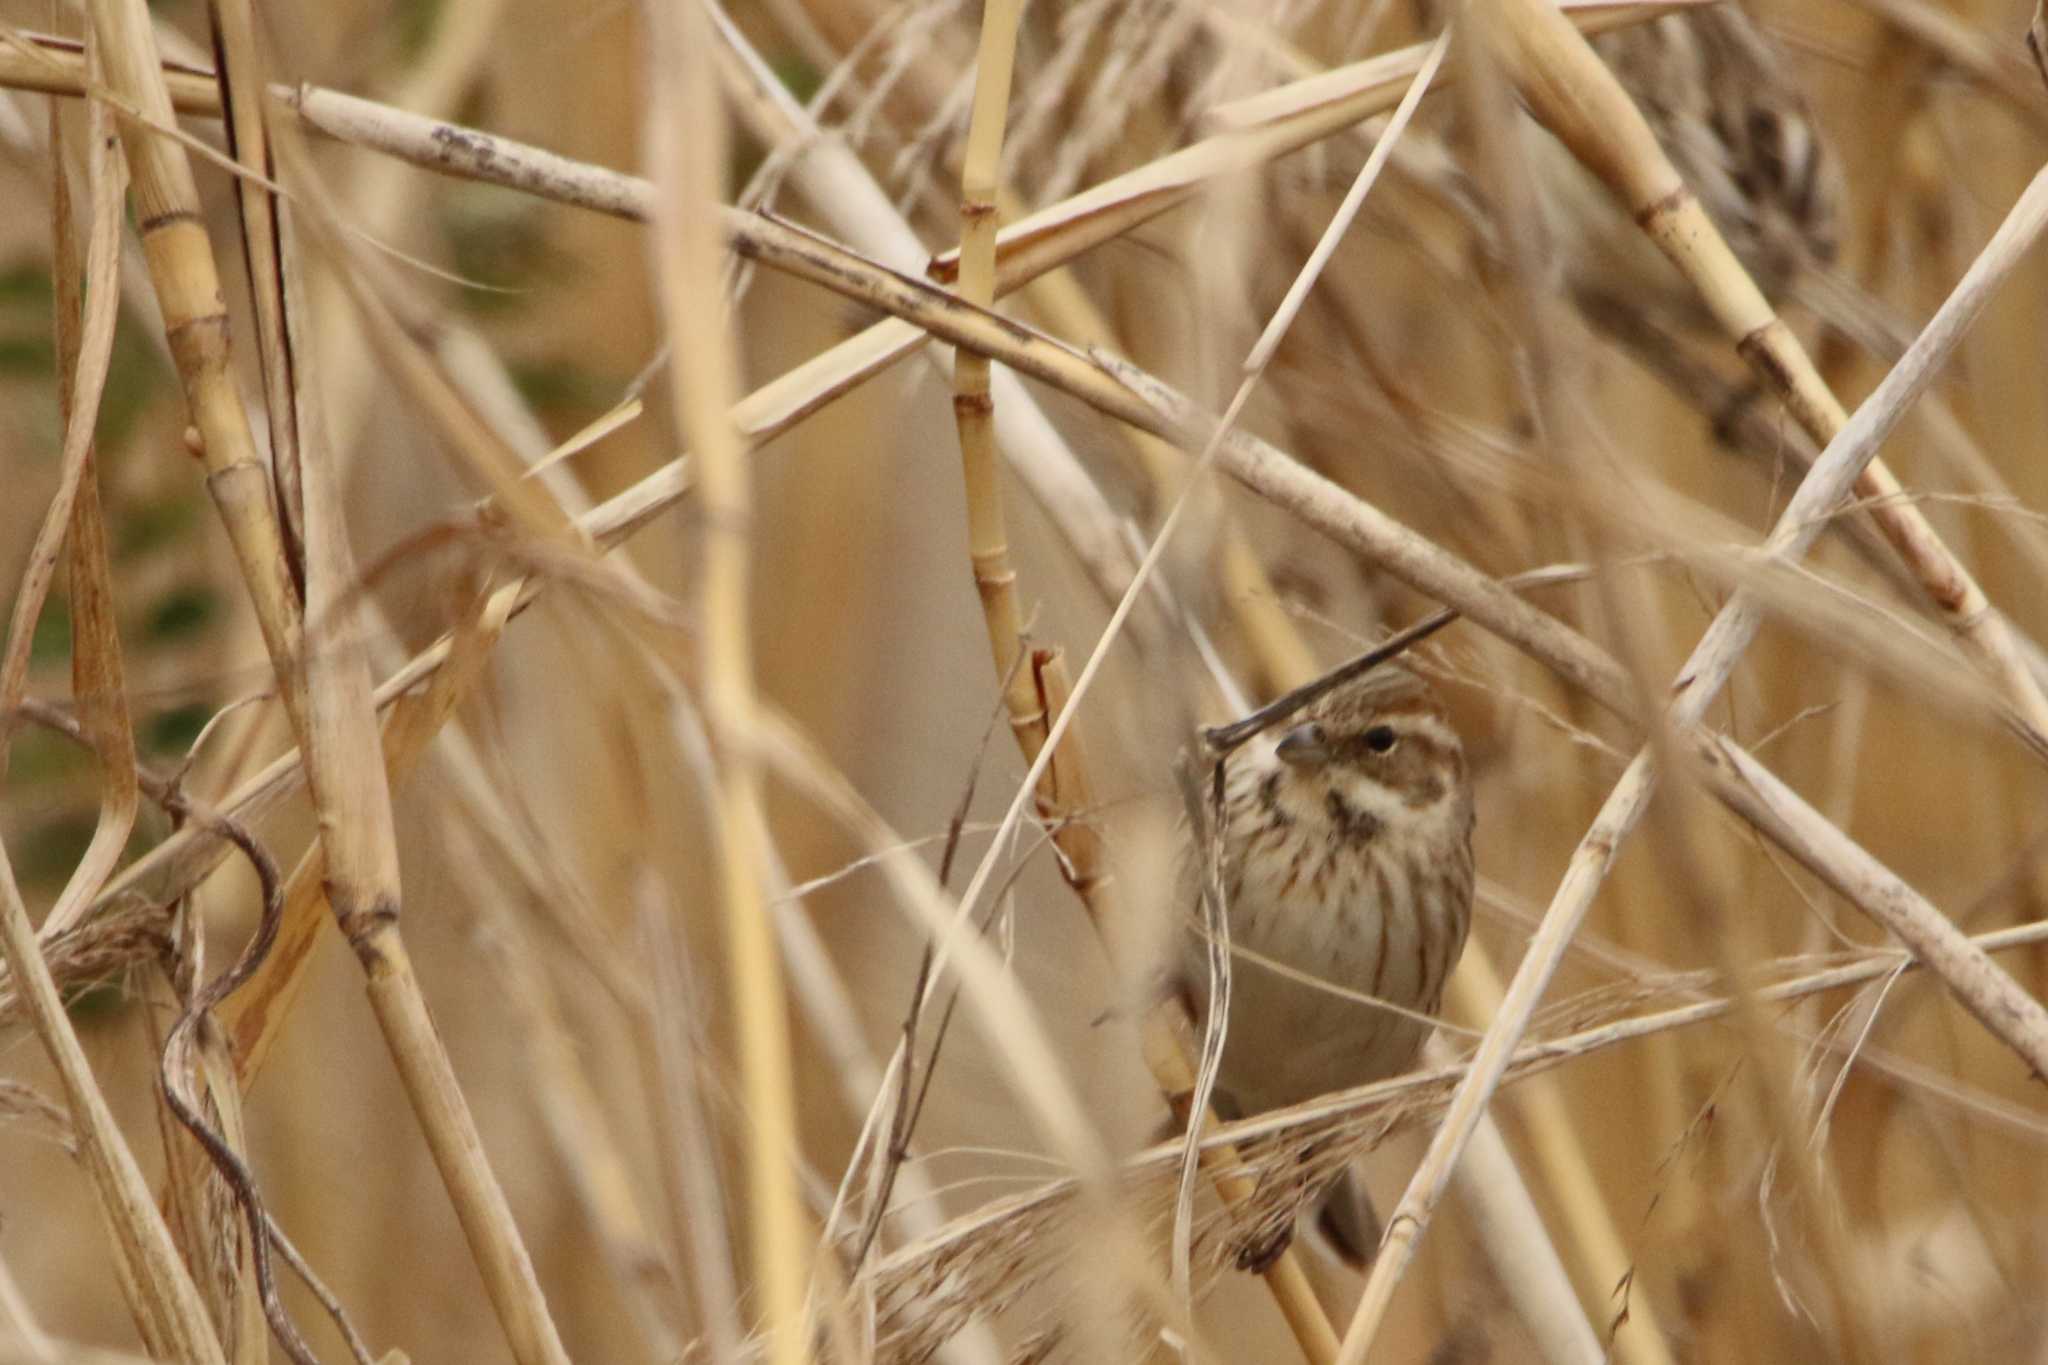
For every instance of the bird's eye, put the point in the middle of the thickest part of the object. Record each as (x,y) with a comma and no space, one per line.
(1381,739)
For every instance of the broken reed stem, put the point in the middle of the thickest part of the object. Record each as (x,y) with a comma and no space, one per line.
(166,1304)
(328,699)
(1035,696)
(1573,93)
(687,142)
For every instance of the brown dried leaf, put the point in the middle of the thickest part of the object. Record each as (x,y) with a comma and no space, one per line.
(85,336)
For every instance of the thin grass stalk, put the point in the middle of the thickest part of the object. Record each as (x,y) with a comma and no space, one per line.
(688,141)
(1573,93)
(244,96)
(166,1304)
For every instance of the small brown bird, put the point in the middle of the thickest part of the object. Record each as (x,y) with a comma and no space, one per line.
(1347,859)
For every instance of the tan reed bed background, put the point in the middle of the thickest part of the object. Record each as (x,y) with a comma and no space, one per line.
(666,847)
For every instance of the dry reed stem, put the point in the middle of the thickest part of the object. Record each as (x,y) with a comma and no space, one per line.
(166,1304)
(352,798)
(1572,92)
(687,141)
(988,547)
(167,209)
(243,95)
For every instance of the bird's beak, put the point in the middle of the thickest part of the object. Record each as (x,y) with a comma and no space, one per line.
(1303,744)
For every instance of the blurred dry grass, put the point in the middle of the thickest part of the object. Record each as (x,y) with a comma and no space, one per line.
(561,892)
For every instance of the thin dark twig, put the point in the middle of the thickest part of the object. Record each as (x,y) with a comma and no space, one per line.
(227,1162)
(357,1347)
(903,1122)
(997,899)
(1222,739)
(263,1229)
(1207,827)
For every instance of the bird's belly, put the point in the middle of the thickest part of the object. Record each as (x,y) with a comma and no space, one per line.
(1290,1039)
